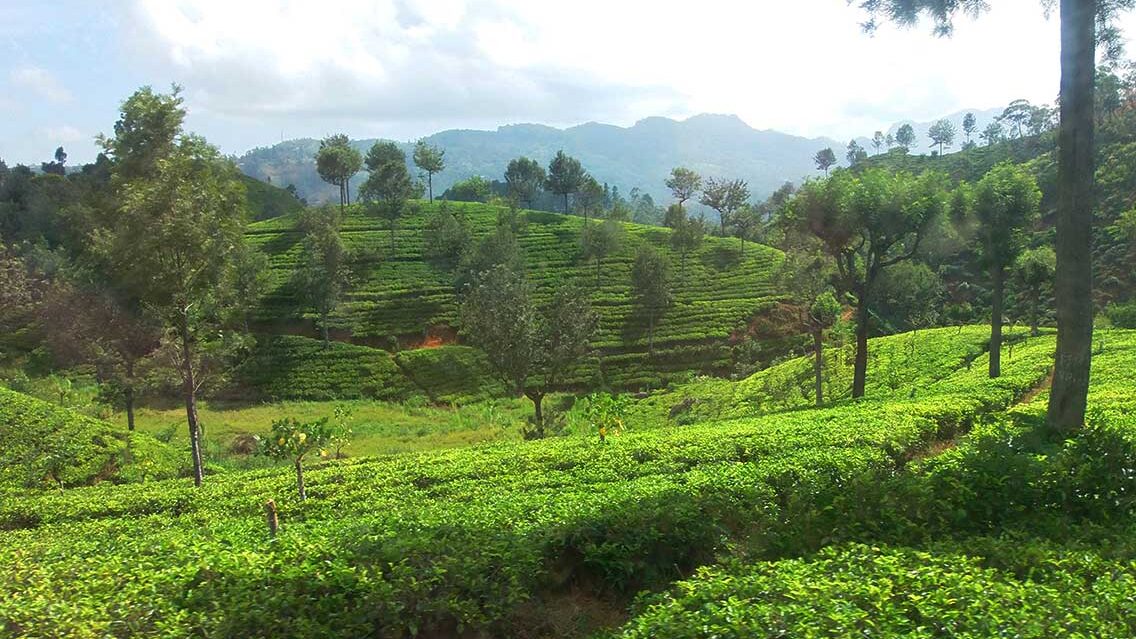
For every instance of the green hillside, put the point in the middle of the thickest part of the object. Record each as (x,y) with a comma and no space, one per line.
(266,201)
(44,445)
(568,529)
(399,295)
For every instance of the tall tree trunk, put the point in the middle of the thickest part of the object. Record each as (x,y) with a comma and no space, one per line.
(566,203)
(1035,312)
(129,399)
(818,365)
(430,184)
(392,234)
(189,389)
(300,479)
(860,368)
(999,277)
(1069,394)
(347,189)
(537,397)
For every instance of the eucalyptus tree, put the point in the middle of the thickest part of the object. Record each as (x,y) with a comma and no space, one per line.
(651,288)
(942,133)
(905,137)
(171,244)
(323,275)
(855,153)
(388,187)
(430,160)
(825,159)
(726,197)
(684,184)
(336,162)
(1005,204)
(1084,24)
(969,126)
(867,223)
(525,179)
(878,141)
(565,176)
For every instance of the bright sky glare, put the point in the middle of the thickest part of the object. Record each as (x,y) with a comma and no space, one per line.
(255,71)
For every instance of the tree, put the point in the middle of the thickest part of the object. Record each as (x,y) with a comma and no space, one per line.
(804,275)
(686,237)
(323,275)
(942,133)
(905,137)
(684,184)
(447,236)
(590,198)
(525,179)
(179,222)
(336,162)
(1033,274)
(472,189)
(1005,203)
(969,126)
(388,186)
(867,223)
(528,349)
(87,324)
(293,440)
(430,160)
(565,176)
(878,141)
(993,133)
(1075,177)
(890,141)
(499,248)
(1017,114)
(825,159)
(651,289)
(599,241)
(725,197)
(855,153)
(57,167)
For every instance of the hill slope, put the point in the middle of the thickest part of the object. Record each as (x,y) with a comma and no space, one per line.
(627,157)
(399,295)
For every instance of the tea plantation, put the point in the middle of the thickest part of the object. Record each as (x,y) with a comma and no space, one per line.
(398,296)
(556,537)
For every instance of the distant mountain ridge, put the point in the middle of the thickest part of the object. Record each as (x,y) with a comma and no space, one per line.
(640,156)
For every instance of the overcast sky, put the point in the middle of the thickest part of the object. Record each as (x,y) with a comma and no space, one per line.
(255,71)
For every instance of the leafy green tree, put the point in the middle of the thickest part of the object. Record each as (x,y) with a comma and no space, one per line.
(472,189)
(1083,25)
(878,141)
(598,241)
(447,237)
(1033,275)
(1017,114)
(590,197)
(969,126)
(525,179)
(1006,204)
(179,223)
(336,162)
(725,197)
(499,248)
(529,349)
(942,133)
(804,275)
(388,187)
(855,153)
(293,440)
(867,223)
(993,133)
(56,167)
(323,275)
(565,176)
(651,288)
(825,159)
(430,160)
(684,184)
(905,137)
(686,237)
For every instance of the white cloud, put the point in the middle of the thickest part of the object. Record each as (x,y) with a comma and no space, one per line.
(802,67)
(62,134)
(40,82)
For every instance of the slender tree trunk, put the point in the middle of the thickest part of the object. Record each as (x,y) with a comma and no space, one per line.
(651,334)
(818,365)
(998,276)
(129,399)
(860,367)
(537,398)
(1035,304)
(300,479)
(392,234)
(430,184)
(347,187)
(566,204)
(1069,394)
(189,389)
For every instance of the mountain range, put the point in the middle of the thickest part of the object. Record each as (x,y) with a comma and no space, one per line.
(640,156)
